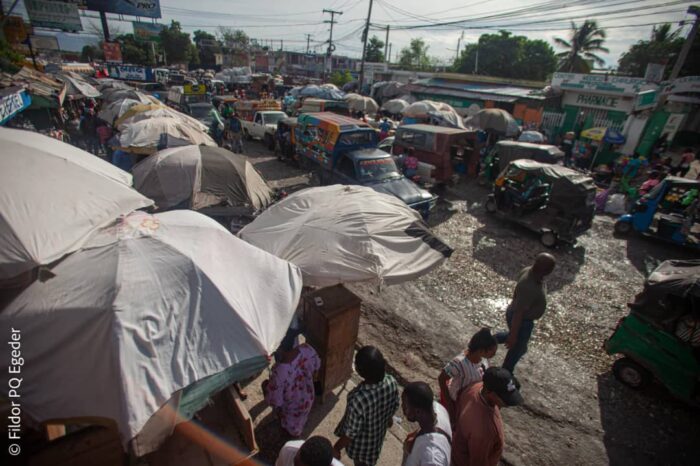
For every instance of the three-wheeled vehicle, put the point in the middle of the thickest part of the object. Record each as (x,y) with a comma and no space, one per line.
(285,139)
(556,202)
(442,147)
(668,212)
(343,150)
(505,152)
(656,337)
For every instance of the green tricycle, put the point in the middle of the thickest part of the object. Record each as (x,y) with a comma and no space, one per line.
(659,337)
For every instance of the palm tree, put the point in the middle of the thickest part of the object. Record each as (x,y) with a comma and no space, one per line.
(585,42)
(663,33)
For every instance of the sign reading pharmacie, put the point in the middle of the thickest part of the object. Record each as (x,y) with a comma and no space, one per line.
(143,8)
(57,15)
(12,101)
(607,102)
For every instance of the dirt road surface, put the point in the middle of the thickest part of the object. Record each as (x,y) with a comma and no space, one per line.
(575,411)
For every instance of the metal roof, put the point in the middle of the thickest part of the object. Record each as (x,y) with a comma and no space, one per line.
(475,90)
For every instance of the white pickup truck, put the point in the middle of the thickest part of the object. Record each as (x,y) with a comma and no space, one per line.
(263,126)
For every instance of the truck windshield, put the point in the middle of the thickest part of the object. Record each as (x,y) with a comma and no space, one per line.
(200,111)
(356,138)
(273,118)
(378,169)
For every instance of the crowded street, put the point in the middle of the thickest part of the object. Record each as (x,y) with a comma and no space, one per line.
(322,235)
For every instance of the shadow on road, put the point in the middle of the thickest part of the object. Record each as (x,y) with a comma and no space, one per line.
(508,250)
(647,253)
(647,427)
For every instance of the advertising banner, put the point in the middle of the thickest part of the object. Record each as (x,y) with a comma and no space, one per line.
(147,31)
(44,42)
(57,15)
(12,101)
(144,8)
(112,51)
(130,73)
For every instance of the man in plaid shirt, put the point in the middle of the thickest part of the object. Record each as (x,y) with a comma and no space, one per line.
(370,408)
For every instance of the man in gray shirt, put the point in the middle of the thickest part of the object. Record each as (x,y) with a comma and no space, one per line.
(528,304)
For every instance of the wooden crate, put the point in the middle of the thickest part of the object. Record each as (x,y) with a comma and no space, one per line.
(331,327)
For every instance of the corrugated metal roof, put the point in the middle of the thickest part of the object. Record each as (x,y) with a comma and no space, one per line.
(456,93)
(505,91)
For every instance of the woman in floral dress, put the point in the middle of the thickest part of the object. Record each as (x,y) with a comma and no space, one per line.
(291,387)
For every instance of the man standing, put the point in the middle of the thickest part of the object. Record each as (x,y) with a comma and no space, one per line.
(528,304)
(478,435)
(430,444)
(316,451)
(369,410)
(235,130)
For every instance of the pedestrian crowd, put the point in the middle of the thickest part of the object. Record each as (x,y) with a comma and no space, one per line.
(462,426)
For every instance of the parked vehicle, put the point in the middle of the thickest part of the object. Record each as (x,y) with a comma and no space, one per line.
(556,202)
(343,150)
(322,105)
(668,212)
(444,148)
(202,111)
(655,338)
(259,119)
(285,139)
(386,144)
(505,152)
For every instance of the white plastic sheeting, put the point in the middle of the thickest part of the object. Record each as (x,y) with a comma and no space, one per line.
(148,307)
(52,195)
(338,234)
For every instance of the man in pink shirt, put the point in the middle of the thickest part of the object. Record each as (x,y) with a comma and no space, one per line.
(478,434)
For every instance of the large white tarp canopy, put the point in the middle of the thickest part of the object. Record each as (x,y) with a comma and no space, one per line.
(339,234)
(52,195)
(148,307)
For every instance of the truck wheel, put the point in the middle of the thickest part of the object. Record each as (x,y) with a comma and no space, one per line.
(623,228)
(491,206)
(631,374)
(269,142)
(548,239)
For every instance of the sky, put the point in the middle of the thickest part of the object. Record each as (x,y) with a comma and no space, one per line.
(626,21)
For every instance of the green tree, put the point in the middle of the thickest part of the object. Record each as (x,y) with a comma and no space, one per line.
(375,50)
(584,45)
(234,38)
(10,60)
(208,47)
(177,45)
(91,53)
(508,56)
(415,56)
(663,47)
(134,51)
(341,79)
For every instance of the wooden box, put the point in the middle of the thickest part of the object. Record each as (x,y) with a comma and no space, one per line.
(331,322)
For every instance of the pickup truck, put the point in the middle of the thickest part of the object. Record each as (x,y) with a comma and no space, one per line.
(263,126)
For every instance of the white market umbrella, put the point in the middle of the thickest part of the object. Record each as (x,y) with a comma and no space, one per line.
(115,109)
(149,306)
(531,136)
(52,195)
(159,112)
(201,176)
(421,109)
(395,105)
(494,119)
(338,234)
(146,136)
(359,103)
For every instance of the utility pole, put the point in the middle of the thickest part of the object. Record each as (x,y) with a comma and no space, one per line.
(386,44)
(459,42)
(308,40)
(331,47)
(389,60)
(693,10)
(364,46)
(105,26)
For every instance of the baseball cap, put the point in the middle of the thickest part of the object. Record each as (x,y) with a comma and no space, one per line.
(502,383)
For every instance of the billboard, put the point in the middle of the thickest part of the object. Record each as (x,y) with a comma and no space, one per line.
(145,8)
(147,31)
(57,15)
(112,51)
